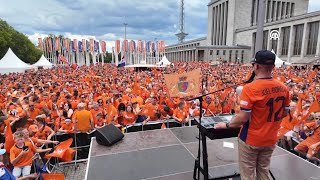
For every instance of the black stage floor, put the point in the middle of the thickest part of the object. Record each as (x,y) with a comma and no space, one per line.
(169,154)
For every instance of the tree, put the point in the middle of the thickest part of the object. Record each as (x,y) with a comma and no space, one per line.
(18,42)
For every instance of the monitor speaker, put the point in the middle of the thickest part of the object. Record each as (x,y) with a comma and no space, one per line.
(108,135)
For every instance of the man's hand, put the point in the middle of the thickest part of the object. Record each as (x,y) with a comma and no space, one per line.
(55,142)
(24,152)
(220,125)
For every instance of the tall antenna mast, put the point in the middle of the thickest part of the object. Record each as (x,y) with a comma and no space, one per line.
(181,35)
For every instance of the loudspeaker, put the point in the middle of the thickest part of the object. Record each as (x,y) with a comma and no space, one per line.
(108,135)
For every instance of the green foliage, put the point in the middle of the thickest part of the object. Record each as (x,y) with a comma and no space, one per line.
(18,42)
(108,57)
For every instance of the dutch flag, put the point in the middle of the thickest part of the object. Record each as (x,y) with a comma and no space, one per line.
(122,63)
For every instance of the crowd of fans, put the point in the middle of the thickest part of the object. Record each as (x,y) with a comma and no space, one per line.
(41,103)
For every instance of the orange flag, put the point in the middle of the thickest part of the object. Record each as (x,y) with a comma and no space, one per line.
(63,59)
(315,107)
(9,142)
(185,84)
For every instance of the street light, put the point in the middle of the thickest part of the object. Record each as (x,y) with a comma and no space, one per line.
(125,30)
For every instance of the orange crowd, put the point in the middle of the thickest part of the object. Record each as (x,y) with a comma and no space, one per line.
(66,100)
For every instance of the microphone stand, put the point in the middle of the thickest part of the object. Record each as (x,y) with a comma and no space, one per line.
(202,136)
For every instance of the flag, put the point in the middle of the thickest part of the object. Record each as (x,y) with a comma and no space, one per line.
(91,45)
(96,46)
(153,47)
(122,63)
(66,44)
(80,46)
(75,45)
(50,44)
(125,45)
(117,46)
(63,59)
(150,46)
(9,142)
(40,43)
(88,45)
(74,66)
(84,48)
(132,46)
(103,46)
(139,45)
(184,84)
(57,44)
(157,46)
(162,46)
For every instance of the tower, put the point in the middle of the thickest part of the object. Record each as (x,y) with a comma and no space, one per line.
(181,35)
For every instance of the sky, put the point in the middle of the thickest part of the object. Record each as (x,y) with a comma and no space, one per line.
(104,19)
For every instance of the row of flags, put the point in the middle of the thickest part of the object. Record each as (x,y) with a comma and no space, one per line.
(52,44)
(140,46)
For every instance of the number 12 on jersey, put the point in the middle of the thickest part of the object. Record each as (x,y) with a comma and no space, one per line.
(271,104)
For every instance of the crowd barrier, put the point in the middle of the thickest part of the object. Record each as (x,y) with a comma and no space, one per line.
(81,141)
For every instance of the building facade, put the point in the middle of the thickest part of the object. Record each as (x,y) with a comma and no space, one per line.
(232,32)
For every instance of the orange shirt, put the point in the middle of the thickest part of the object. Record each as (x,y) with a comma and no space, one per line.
(67,127)
(33,114)
(151,111)
(315,137)
(266,99)
(94,113)
(44,133)
(111,113)
(181,114)
(289,122)
(25,160)
(83,120)
(130,120)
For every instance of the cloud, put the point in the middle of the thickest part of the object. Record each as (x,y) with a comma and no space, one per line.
(103,20)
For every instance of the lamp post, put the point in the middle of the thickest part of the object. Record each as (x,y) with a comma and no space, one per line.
(125,30)
(260,24)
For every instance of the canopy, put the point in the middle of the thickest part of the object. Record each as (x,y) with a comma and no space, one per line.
(164,61)
(43,62)
(280,62)
(10,63)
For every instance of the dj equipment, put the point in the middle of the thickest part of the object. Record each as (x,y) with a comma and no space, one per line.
(207,127)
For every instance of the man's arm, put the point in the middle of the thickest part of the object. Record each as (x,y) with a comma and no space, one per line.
(43,150)
(235,122)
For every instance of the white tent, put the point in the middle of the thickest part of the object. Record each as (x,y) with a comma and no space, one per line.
(43,62)
(10,63)
(279,62)
(164,61)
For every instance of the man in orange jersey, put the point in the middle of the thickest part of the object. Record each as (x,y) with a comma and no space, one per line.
(263,103)
(311,145)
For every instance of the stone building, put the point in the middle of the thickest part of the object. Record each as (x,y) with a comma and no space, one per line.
(232,31)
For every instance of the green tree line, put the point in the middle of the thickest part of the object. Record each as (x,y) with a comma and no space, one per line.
(18,42)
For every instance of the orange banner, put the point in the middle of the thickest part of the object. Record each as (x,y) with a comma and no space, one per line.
(184,84)
(63,59)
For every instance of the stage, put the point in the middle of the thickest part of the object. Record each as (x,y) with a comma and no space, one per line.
(169,154)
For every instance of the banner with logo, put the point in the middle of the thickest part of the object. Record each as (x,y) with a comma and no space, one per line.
(185,84)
